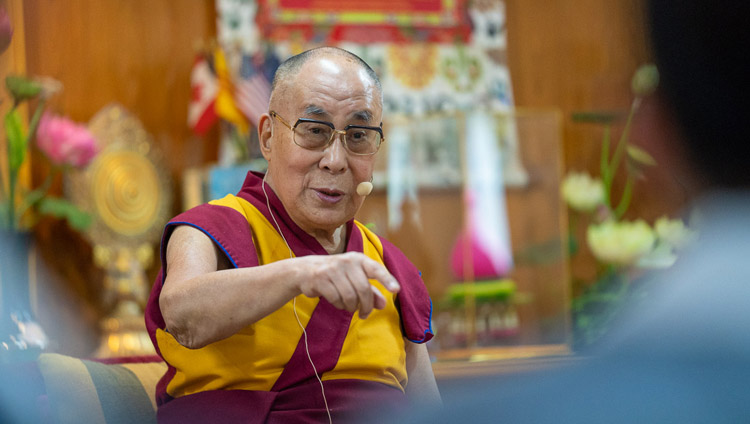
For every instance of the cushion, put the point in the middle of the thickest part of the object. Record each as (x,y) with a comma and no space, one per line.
(83,391)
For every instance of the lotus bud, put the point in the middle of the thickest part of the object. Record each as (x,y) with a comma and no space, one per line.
(22,88)
(645,80)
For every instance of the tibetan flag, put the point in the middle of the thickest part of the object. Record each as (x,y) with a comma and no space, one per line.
(204,88)
(253,90)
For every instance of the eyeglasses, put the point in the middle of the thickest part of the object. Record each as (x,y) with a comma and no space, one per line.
(311,134)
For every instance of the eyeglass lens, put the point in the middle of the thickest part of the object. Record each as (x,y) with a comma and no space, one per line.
(313,135)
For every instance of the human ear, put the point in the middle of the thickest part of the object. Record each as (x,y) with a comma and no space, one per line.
(265,134)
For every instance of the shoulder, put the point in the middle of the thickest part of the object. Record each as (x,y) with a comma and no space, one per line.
(222,221)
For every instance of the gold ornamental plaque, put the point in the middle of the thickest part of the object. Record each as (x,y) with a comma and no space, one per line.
(124,189)
(125,192)
(129,196)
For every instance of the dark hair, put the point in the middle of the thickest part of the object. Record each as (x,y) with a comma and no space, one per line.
(701,48)
(290,67)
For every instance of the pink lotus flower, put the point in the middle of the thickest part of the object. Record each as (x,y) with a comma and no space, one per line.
(65,142)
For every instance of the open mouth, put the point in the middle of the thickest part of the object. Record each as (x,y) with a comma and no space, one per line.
(332,193)
(329,195)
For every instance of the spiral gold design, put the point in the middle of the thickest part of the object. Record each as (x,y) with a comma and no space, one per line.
(126,192)
(125,189)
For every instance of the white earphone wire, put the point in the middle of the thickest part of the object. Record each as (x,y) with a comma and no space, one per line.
(294,304)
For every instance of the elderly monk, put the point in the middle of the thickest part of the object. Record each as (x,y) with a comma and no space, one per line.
(275,305)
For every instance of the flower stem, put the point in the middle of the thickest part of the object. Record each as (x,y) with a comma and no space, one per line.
(604,165)
(36,195)
(13,215)
(627,194)
(36,118)
(622,143)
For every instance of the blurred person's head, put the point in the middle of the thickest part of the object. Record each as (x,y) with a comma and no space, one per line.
(701,48)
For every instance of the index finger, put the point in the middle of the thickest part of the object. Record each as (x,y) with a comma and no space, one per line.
(378,272)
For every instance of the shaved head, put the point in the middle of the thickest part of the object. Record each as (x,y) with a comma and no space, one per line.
(290,68)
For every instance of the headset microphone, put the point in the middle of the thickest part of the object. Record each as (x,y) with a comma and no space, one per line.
(364,188)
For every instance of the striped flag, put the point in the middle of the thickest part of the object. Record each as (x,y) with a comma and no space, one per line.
(271,62)
(252,91)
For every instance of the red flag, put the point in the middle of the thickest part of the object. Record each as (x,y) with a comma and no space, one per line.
(203,86)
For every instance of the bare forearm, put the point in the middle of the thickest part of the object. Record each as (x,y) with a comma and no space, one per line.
(421,387)
(215,305)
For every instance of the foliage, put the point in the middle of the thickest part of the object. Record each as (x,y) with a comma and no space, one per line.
(621,247)
(65,145)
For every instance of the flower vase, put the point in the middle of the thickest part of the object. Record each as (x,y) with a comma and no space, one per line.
(21,336)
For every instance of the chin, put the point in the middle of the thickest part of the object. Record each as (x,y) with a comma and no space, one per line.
(333,222)
(330,220)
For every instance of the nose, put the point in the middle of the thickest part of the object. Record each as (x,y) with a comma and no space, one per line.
(334,156)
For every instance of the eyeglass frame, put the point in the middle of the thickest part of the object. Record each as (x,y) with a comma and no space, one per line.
(334,131)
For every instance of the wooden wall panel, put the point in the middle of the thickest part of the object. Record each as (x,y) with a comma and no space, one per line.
(134,52)
(574,55)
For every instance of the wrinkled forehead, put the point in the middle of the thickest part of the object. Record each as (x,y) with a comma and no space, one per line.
(312,110)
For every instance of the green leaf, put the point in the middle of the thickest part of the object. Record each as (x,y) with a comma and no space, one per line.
(640,156)
(597,117)
(61,208)
(17,141)
(22,88)
(35,196)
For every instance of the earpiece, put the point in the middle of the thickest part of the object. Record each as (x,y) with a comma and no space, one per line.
(364,188)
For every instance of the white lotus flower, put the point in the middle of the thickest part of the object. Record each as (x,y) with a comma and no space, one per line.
(620,242)
(582,192)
